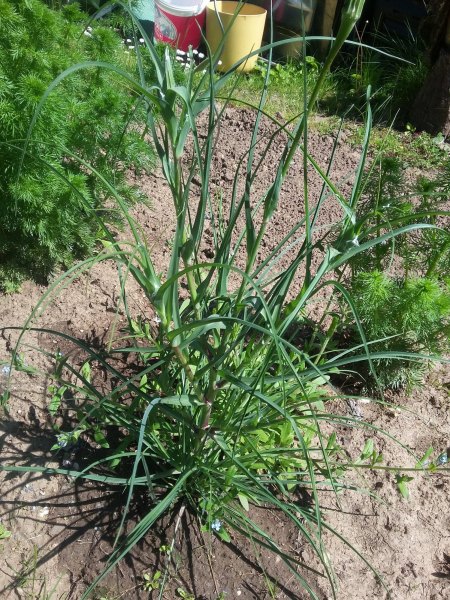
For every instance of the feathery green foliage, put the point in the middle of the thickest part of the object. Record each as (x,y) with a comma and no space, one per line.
(411,315)
(43,223)
(400,289)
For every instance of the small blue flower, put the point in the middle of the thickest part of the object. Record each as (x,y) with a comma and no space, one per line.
(216,525)
(62,440)
(6,370)
(442,459)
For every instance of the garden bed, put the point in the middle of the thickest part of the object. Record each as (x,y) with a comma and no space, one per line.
(61,534)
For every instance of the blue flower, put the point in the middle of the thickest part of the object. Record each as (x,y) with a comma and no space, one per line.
(216,525)
(62,440)
(442,459)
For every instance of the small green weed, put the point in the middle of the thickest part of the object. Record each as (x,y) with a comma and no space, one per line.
(31,585)
(4,533)
(152,581)
(402,484)
(412,149)
(425,462)
(182,593)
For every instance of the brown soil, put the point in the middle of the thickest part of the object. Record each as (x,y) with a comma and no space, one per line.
(63,533)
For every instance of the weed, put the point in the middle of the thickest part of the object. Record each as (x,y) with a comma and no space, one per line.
(285,96)
(410,148)
(152,581)
(181,593)
(4,533)
(32,586)
(402,484)
(394,82)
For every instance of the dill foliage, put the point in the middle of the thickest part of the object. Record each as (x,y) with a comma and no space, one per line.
(401,290)
(50,203)
(403,315)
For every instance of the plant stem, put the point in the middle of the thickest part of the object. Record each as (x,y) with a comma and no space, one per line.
(426,469)
(350,15)
(187,369)
(206,399)
(437,257)
(330,333)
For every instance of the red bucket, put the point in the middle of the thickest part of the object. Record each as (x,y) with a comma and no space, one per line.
(179,22)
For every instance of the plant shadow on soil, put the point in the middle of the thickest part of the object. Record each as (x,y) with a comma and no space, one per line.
(84,518)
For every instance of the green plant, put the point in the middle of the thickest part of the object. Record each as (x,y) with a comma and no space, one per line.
(402,484)
(407,311)
(405,316)
(44,221)
(31,585)
(181,593)
(152,582)
(394,82)
(284,94)
(225,407)
(407,147)
(4,533)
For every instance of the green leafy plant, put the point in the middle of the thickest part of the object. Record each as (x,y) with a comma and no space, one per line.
(402,484)
(407,311)
(29,583)
(181,593)
(152,582)
(405,316)
(4,533)
(44,221)
(225,407)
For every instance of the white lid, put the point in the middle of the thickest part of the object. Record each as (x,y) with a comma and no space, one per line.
(193,7)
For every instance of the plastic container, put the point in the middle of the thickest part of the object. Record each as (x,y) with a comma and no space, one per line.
(144,10)
(244,35)
(179,22)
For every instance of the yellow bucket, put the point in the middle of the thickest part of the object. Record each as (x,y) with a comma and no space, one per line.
(244,36)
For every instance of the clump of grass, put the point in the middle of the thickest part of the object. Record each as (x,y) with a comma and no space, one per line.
(223,410)
(409,147)
(394,81)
